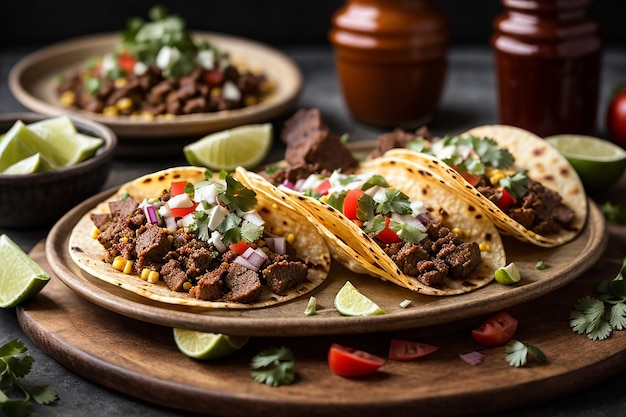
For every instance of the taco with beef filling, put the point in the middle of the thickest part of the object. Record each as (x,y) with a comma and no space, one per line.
(401,225)
(184,236)
(524,185)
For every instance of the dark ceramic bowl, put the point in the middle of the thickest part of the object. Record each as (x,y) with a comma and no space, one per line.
(39,199)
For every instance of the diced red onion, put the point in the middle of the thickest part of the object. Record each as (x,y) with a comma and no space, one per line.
(150,213)
(288,184)
(255,257)
(170,223)
(473,358)
(280,245)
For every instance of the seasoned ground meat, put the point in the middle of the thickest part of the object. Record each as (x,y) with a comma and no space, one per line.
(398,138)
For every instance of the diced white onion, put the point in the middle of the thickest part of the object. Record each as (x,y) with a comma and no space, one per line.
(253,217)
(180,201)
(216,216)
(277,244)
(140,68)
(170,223)
(216,240)
(166,56)
(208,193)
(164,211)
(187,220)
(206,59)
(108,63)
(230,91)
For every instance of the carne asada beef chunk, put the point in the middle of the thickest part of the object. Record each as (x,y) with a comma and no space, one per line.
(244,284)
(440,254)
(210,285)
(398,138)
(540,209)
(312,147)
(281,276)
(173,275)
(151,243)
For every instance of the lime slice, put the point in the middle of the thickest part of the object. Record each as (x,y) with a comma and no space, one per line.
(350,302)
(30,165)
(508,274)
(20,276)
(599,163)
(60,125)
(18,143)
(245,146)
(201,345)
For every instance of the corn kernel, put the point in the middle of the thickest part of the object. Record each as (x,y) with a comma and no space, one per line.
(324,198)
(278,231)
(290,237)
(495,176)
(119,263)
(484,246)
(458,231)
(128,268)
(110,111)
(261,243)
(153,277)
(120,82)
(225,264)
(67,98)
(170,238)
(124,239)
(124,103)
(216,92)
(147,115)
(187,285)
(95,232)
(267,87)
(250,100)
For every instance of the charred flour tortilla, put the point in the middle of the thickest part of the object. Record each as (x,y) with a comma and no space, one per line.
(358,251)
(89,254)
(543,164)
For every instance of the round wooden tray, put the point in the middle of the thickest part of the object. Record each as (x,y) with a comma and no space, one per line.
(141,359)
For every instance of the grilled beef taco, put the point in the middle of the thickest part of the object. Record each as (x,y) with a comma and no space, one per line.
(403,226)
(524,185)
(183,237)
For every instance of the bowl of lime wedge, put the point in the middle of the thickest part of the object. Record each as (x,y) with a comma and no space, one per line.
(48,165)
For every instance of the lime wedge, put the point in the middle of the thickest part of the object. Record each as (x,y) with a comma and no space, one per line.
(201,345)
(30,165)
(245,146)
(60,125)
(350,302)
(71,146)
(598,162)
(18,143)
(508,274)
(20,276)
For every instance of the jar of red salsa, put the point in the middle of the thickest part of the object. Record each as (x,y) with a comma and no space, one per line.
(548,56)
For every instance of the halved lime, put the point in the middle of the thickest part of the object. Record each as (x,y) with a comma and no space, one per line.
(245,146)
(20,276)
(508,274)
(201,345)
(351,302)
(30,165)
(599,163)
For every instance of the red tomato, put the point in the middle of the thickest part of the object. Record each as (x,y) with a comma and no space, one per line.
(214,78)
(471,178)
(506,200)
(616,118)
(406,350)
(496,330)
(182,211)
(178,187)
(387,235)
(126,62)
(351,203)
(239,247)
(345,361)
(323,187)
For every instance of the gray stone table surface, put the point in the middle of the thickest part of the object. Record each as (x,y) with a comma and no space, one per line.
(469,100)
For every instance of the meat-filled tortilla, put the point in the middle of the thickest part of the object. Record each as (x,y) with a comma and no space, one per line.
(402,227)
(180,236)
(524,185)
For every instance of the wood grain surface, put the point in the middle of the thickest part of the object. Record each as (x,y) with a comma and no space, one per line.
(140,359)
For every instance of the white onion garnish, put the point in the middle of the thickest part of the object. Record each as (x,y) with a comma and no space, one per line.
(243,261)
(180,201)
(216,240)
(170,223)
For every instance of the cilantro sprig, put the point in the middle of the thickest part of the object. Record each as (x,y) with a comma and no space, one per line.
(14,365)
(274,366)
(598,317)
(518,353)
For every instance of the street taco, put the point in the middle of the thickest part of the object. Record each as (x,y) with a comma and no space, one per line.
(406,227)
(185,237)
(524,185)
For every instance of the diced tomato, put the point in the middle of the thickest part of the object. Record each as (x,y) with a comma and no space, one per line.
(471,178)
(351,203)
(178,187)
(323,187)
(182,211)
(239,247)
(496,330)
(406,350)
(387,235)
(214,78)
(126,62)
(506,200)
(345,361)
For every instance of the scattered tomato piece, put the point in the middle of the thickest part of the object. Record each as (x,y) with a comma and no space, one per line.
(387,235)
(178,187)
(239,247)
(506,200)
(406,350)
(349,362)
(351,203)
(496,330)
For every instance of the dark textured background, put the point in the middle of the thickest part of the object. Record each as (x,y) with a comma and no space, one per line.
(278,22)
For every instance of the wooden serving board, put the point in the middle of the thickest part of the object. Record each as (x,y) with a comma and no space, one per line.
(141,359)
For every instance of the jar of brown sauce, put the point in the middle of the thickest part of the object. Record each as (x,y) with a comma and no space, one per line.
(391,60)
(548,56)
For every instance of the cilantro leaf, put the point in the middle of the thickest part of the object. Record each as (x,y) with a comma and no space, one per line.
(375,225)
(588,317)
(518,353)
(237,196)
(200,225)
(517,184)
(490,153)
(274,366)
(251,232)
(365,207)
(375,180)
(407,232)
(615,213)
(395,201)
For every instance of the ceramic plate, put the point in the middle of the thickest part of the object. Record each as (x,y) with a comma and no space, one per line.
(565,263)
(32,81)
